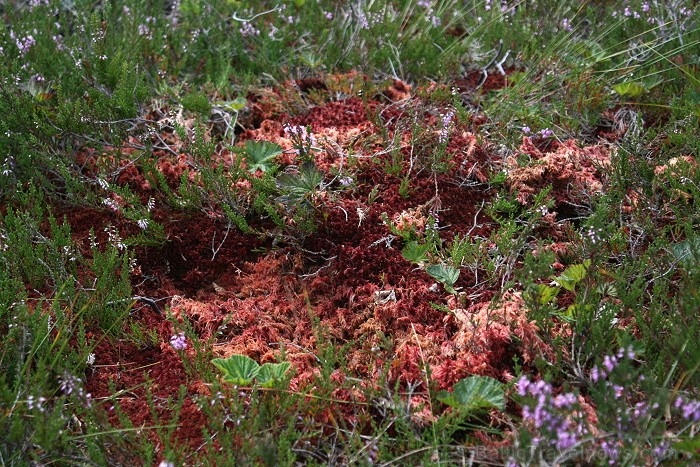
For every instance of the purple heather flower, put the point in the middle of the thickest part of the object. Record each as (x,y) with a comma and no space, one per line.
(443,134)
(691,411)
(178,341)
(610,450)
(609,363)
(661,450)
(345,181)
(618,390)
(25,44)
(523,384)
(328,15)
(546,133)
(526,129)
(362,20)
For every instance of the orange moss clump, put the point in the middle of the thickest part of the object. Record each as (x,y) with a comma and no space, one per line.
(573,172)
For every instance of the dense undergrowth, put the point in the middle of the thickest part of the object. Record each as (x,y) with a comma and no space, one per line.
(330,233)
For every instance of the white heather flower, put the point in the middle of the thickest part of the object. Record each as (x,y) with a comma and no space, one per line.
(248,30)
(143,224)
(111,204)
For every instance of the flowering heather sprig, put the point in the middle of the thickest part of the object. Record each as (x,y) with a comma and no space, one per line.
(114,237)
(25,44)
(690,410)
(555,420)
(70,384)
(593,234)
(445,124)
(7,166)
(36,403)
(302,139)
(626,424)
(178,341)
(146,29)
(247,30)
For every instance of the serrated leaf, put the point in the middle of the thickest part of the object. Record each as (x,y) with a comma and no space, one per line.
(415,252)
(573,275)
(298,185)
(444,273)
(261,154)
(238,369)
(272,373)
(475,392)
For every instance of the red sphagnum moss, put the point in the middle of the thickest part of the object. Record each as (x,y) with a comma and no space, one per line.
(254,300)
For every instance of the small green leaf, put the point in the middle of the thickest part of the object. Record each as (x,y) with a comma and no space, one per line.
(475,392)
(687,252)
(272,373)
(415,252)
(238,369)
(690,446)
(444,273)
(260,154)
(546,294)
(573,275)
(237,104)
(296,186)
(630,89)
